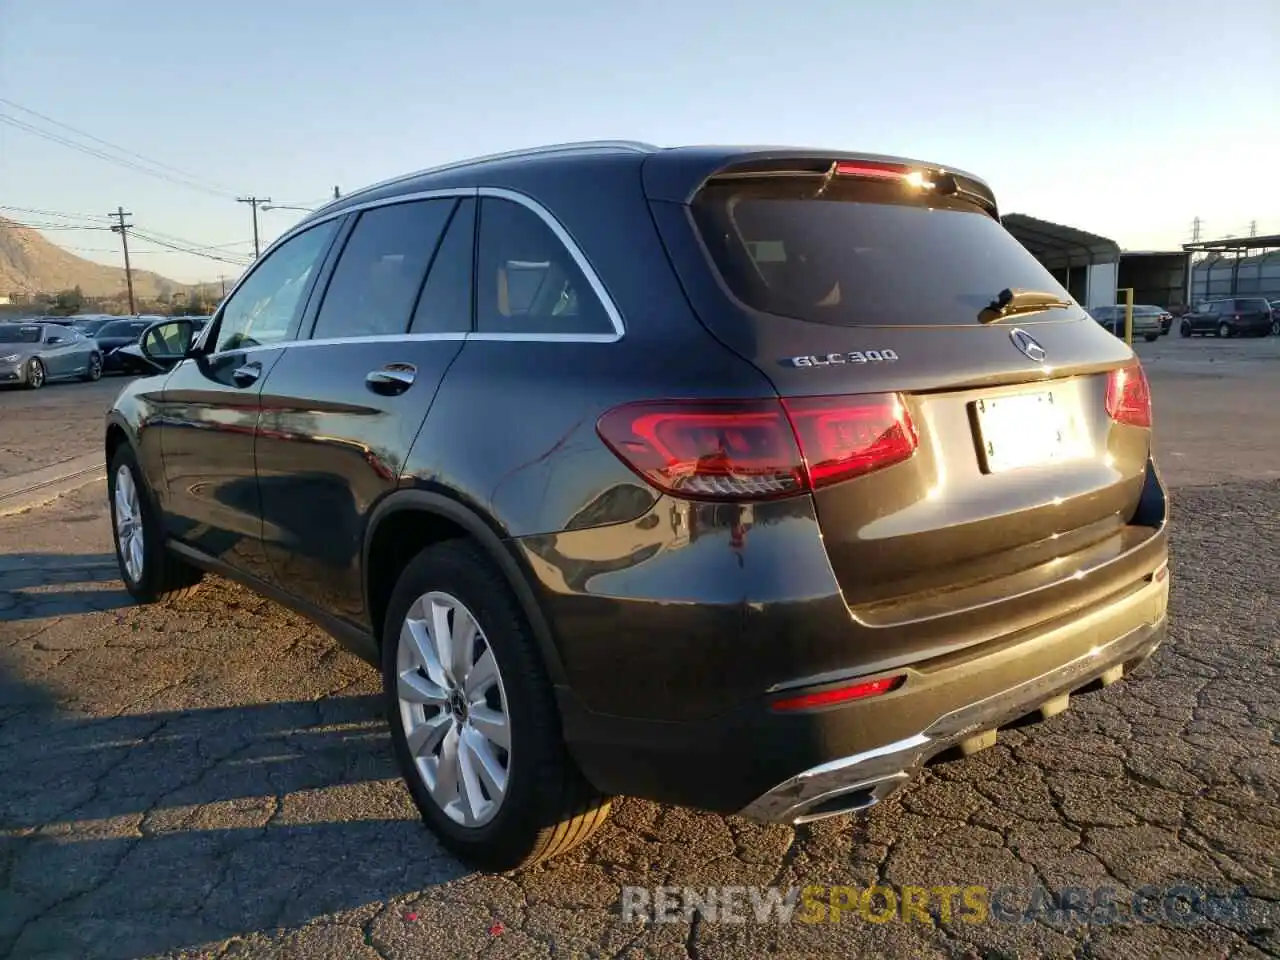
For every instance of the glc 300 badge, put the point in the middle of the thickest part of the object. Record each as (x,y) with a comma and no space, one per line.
(835,359)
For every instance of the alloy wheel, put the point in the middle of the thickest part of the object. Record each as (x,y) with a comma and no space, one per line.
(129,536)
(453,709)
(95,367)
(36,374)
(1275,328)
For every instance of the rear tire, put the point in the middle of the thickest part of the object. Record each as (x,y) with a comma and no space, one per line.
(151,573)
(1224,330)
(541,805)
(95,369)
(36,375)
(1151,337)
(1185,330)
(1275,328)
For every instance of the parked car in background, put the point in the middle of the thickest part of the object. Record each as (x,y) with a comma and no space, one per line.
(32,354)
(1275,318)
(1147,321)
(749,480)
(118,333)
(1238,316)
(90,324)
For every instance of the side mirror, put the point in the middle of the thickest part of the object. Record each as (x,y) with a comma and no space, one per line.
(167,343)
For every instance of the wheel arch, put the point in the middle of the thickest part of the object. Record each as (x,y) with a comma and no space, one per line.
(442,517)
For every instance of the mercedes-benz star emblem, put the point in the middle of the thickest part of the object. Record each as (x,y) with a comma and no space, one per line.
(1027,344)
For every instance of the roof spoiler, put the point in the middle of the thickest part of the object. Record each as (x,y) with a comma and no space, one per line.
(677,176)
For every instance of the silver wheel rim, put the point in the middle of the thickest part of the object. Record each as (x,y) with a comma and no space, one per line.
(128,524)
(95,367)
(37,373)
(453,708)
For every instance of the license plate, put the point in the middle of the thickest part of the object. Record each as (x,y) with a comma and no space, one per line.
(1027,429)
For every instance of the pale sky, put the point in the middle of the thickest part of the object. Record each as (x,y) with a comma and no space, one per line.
(1123,118)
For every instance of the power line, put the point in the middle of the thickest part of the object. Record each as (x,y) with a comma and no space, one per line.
(99,154)
(55,213)
(106,143)
(123,230)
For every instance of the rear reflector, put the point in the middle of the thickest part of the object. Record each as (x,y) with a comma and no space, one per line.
(1129,396)
(758,449)
(829,698)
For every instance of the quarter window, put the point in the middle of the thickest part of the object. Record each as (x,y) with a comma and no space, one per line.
(381,269)
(264,309)
(527,282)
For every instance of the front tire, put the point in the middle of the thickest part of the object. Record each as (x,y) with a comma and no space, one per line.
(150,572)
(36,375)
(1185,329)
(1151,337)
(1275,328)
(1224,330)
(94,372)
(473,719)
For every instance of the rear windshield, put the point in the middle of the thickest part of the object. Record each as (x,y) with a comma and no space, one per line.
(864,253)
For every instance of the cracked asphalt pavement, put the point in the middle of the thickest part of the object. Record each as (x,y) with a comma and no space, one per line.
(215,779)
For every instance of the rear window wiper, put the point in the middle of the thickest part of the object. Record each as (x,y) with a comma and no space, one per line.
(1009,303)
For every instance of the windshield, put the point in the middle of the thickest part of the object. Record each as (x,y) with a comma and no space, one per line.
(865,253)
(11,334)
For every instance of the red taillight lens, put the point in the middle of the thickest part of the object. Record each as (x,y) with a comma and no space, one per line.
(829,698)
(844,437)
(708,450)
(758,449)
(1129,396)
(871,169)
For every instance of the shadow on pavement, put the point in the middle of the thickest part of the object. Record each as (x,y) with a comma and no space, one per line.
(148,833)
(36,585)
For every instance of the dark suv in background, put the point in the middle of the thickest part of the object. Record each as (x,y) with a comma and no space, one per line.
(745,479)
(1239,316)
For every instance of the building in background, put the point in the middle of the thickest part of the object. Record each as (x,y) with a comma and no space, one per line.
(1086,264)
(1235,266)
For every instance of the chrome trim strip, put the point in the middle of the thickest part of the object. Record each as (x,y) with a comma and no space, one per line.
(554,225)
(894,764)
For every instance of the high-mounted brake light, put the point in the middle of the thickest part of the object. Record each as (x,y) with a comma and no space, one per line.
(871,169)
(758,449)
(1129,396)
(829,698)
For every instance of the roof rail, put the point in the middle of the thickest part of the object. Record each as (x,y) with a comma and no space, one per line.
(582,146)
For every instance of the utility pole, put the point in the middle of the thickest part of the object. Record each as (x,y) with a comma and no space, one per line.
(222,279)
(253,202)
(336,194)
(1253,228)
(1195,230)
(123,229)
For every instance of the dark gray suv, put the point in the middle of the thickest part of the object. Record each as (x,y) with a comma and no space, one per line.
(749,479)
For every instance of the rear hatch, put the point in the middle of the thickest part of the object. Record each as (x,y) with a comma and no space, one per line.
(854,279)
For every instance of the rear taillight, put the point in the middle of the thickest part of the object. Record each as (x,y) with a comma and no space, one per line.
(1129,396)
(872,170)
(758,449)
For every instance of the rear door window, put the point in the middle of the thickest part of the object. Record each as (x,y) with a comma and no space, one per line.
(380,272)
(861,252)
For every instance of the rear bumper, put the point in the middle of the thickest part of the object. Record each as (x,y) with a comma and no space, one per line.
(793,767)
(863,779)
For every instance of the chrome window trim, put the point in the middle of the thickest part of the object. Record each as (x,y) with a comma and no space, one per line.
(502,193)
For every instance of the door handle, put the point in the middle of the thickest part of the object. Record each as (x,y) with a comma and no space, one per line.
(245,375)
(392,379)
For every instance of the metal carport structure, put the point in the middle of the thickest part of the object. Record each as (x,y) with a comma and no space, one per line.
(1085,263)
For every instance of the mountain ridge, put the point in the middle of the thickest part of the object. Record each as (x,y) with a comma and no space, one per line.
(30,263)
